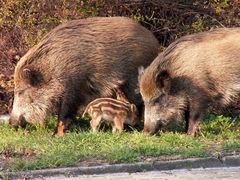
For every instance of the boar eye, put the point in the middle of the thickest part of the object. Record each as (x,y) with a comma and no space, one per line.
(20,92)
(160,99)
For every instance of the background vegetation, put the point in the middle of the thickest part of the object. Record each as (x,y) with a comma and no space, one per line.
(24,22)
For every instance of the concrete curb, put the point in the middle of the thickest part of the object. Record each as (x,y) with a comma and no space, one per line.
(228,161)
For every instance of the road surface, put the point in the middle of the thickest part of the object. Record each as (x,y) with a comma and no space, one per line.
(232,173)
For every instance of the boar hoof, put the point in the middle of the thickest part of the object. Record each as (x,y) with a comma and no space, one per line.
(148,133)
(191,133)
(57,135)
(59,130)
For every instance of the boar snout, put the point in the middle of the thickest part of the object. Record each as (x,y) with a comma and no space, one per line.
(15,121)
(151,128)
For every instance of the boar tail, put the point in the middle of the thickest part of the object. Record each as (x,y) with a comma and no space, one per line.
(86,110)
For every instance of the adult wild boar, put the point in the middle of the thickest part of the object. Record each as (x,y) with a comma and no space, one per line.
(193,73)
(77,62)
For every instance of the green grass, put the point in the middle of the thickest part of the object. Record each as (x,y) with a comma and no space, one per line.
(34,147)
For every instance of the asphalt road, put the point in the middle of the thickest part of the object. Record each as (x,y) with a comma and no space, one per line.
(232,173)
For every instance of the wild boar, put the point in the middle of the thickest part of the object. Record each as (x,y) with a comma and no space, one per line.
(194,73)
(113,111)
(77,62)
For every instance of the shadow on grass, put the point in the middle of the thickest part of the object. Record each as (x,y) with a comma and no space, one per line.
(83,124)
(212,125)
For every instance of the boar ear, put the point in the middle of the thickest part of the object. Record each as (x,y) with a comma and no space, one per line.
(140,72)
(163,80)
(26,73)
(31,77)
(137,90)
(133,108)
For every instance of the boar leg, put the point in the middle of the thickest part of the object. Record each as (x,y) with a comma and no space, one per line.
(187,120)
(114,129)
(194,117)
(118,124)
(61,126)
(60,129)
(65,117)
(95,122)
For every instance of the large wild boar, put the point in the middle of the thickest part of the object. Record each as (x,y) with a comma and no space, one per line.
(195,72)
(77,62)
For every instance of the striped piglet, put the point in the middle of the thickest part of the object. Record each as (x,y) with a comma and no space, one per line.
(113,111)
